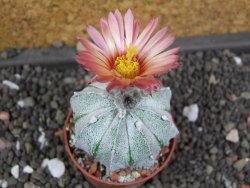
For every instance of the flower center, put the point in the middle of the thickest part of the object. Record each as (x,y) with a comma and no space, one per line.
(128,65)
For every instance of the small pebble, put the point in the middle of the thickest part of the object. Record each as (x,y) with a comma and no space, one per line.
(15,171)
(233,136)
(4,116)
(93,168)
(56,167)
(191,112)
(28,169)
(240,164)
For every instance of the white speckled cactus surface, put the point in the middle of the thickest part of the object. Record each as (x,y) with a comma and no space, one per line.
(122,129)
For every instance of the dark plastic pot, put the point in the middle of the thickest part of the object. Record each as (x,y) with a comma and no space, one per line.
(99,183)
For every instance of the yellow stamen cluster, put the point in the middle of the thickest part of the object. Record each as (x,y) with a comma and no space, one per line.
(128,65)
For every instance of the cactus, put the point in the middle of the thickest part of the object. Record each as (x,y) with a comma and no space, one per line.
(122,129)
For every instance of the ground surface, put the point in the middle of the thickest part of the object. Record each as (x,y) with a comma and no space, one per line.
(22,26)
(203,157)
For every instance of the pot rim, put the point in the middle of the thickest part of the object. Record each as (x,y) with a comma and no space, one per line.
(86,173)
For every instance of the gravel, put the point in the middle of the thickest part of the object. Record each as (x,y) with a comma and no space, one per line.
(203,157)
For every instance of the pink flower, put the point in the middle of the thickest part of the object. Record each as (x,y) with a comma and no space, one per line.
(124,57)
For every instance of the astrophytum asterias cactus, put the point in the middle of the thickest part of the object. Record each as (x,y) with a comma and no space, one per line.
(122,129)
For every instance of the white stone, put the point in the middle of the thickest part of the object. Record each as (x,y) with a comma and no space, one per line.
(56,167)
(17,76)
(10,84)
(17,145)
(93,119)
(3,183)
(45,162)
(233,136)
(28,169)
(42,139)
(15,171)
(191,112)
(212,79)
(20,103)
(238,60)
(240,164)
(136,174)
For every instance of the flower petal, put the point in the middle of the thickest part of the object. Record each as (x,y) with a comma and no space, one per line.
(95,50)
(115,31)
(136,30)
(102,79)
(146,33)
(148,84)
(97,38)
(154,40)
(121,29)
(161,67)
(108,37)
(159,47)
(129,19)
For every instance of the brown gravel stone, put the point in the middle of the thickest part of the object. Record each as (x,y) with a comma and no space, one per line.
(98,174)
(87,162)
(165,150)
(245,186)
(4,116)
(145,173)
(234,157)
(114,177)
(153,168)
(93,168)
(122,173)
(248,120)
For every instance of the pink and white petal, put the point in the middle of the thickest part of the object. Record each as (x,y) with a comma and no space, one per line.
(119,19)
(129,24)
(154,40)
(87,56)
(114,84)
(159,47)
(115,31)
(108,37)
(102,79)
(146,33)
(95,50)
(161,68)
(136,30)
(148,84)
(158,61)
(166,54)
(97,38)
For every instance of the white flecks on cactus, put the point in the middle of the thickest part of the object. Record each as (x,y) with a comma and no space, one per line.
(15,171)
(191,112)
(121,113)
(131,128)
(93,119)
(28,169)
(138,125)
(164,117)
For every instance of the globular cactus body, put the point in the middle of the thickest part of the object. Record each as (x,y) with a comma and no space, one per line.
(122,130)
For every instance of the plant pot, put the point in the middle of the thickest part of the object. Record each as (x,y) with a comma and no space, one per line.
(99,183)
